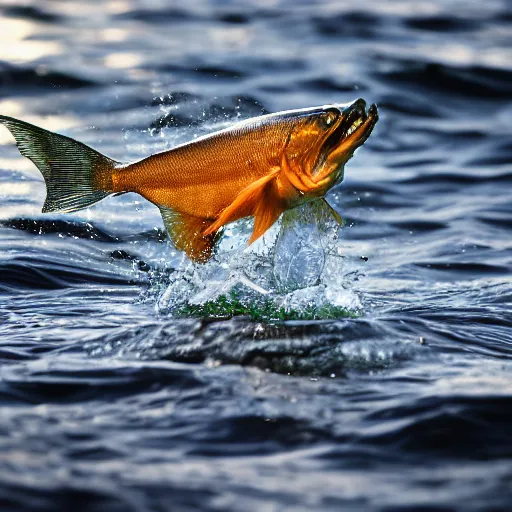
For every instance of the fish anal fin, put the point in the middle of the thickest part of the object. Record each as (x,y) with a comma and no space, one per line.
(187,234)
(245,204)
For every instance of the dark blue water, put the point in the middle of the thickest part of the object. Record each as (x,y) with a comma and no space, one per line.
(108,405)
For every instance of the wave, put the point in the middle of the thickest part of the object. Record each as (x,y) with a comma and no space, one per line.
(460,81)
(18,80)
(31,12)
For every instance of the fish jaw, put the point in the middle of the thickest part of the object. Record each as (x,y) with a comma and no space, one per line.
(352,131)
(360,128)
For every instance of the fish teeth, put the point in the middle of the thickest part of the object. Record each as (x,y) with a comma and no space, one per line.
(354,126)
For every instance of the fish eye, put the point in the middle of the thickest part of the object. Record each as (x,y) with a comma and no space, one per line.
(330,116)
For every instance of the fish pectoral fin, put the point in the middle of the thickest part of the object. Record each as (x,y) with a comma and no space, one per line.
(187,234)
(331,212)
(268,210)
(260,199)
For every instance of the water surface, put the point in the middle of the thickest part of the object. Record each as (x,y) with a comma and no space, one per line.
(107,404)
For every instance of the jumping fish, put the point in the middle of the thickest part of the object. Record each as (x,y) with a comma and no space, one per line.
(258,168)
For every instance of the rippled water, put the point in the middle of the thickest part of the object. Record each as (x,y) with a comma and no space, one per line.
(107,404)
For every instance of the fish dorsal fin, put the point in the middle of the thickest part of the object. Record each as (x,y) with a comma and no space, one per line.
(186,233)
(260,199)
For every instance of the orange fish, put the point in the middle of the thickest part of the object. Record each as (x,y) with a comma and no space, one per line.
(257,168)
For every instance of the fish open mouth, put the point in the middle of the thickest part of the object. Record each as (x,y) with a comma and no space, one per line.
(353,128)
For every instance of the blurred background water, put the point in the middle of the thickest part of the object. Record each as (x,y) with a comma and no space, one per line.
(108,405)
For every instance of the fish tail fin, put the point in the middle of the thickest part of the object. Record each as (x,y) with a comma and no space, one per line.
(76,175)
(186,233)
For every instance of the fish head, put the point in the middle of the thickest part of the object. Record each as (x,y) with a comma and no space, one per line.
(321,142)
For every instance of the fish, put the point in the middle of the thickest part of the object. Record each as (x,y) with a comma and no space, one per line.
(259,167)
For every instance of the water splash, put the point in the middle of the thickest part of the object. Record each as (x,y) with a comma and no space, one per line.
(297,267)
